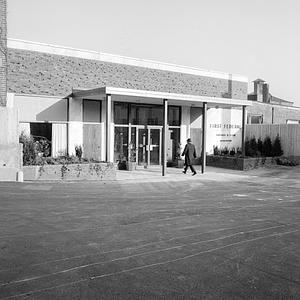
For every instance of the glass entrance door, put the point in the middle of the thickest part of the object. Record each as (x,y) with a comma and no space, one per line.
(154,146)
(146,140)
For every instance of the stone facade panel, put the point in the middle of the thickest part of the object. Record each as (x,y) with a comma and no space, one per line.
(33,72)
(3,49)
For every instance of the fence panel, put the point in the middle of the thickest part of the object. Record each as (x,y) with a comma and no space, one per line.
(289,135)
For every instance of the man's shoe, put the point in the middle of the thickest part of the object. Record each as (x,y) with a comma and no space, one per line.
(194,173)
(183,172)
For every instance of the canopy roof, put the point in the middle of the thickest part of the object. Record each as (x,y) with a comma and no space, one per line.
(135,95)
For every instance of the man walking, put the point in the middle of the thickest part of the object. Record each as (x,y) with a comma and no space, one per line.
(189,154)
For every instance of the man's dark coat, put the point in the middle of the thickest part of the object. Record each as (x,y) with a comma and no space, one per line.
(190,153)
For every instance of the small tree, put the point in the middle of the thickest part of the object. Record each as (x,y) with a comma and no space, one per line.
(247,147)
(267,147)
(259,146)
(253,146)
(276,147)
(29,149)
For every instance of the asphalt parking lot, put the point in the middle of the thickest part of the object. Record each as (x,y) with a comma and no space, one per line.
(225,235)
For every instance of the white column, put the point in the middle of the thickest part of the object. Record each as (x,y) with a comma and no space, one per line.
(103,130)
(164,142)
(109,154)
(204,129)
(244,117)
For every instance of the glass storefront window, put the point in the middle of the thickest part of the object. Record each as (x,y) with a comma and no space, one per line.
(121,113)
(146,114)
(174,116)
(121,144)
(153,115)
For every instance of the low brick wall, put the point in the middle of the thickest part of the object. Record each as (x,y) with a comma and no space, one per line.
(239,163)
(92,171)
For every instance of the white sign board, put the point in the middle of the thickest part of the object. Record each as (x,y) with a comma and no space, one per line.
(224,128)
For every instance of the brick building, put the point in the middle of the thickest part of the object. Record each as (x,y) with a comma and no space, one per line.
(113,106)
(268,109)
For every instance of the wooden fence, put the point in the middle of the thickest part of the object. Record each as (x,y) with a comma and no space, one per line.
(289,136)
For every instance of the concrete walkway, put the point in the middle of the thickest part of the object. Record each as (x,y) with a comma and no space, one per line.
(154,174)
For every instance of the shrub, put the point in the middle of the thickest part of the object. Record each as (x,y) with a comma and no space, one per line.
(29,149)
(259,147)
(34,150)
(232,152)
(276,147)
(267,147)
(253,146)
(239,151)
(224,151)
(247,147)
(78,151)
(283,161)
(216,150)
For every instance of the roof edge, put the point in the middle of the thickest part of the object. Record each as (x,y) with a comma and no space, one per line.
(112,58)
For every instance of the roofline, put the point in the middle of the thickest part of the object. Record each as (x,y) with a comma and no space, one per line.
(112,58)
(159,95)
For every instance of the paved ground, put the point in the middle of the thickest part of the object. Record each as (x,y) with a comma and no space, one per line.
(221,235)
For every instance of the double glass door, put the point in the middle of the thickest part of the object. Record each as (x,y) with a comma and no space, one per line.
(145,144)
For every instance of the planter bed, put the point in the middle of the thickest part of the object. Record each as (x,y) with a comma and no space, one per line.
(88,171)
(239,163)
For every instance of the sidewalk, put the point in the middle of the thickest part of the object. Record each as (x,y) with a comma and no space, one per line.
(154,174)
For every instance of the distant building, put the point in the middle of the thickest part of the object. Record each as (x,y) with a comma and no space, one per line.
(268,109)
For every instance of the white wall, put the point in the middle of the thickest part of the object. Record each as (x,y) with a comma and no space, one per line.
(223,128)
(40,108)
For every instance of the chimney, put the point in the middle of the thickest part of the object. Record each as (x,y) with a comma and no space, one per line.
(258,89)
(265,93)
(3,51)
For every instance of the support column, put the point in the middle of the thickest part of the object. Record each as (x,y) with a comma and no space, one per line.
(244,112)
(164,139)
(204,129)
(108,128)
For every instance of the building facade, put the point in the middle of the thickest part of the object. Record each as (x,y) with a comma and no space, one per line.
(118,108)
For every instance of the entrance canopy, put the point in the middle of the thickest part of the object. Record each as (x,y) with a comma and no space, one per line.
(132,95)
(110,94)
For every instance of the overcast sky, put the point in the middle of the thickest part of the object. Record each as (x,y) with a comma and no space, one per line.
(254,38)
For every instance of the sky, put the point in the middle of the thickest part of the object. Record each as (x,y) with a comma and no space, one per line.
(253,38)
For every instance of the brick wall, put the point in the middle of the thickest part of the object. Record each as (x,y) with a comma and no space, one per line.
(3,43)
(33,72)
(280,116)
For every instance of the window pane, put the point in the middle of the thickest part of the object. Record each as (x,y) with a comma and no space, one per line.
(174,116)
(42,134)
(121,113)
(256,119)
(39,130)
(146,114)
(91,111)
(121,144)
